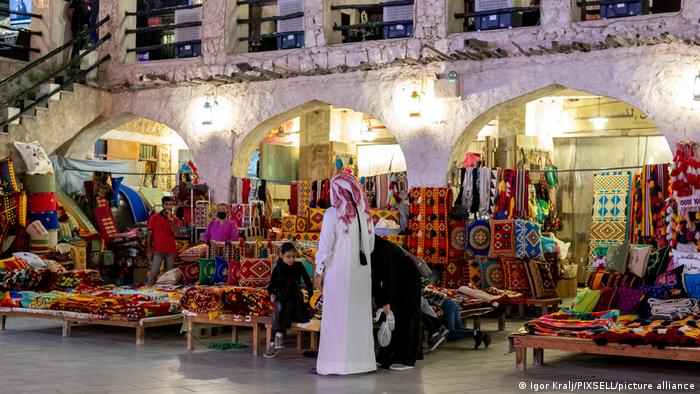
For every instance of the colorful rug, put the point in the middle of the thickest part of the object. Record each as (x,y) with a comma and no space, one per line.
(454,273)
(528,240)
(610,219)
(428,224)
(458,238)
(502,239)
(305,197)
(515,275)
(479,237)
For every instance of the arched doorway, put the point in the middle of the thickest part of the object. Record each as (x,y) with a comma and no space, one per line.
(573,130)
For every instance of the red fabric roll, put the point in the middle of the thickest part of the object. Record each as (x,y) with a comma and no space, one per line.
(42,202)
(294,199)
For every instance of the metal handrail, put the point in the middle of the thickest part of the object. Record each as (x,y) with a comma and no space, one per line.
(270,35)
(371,6)
(495,12)
(371,25)
(45,97)
(163,27)
(21,30)
(58,71)
(7,11)
(271,18)
(604,2)
(159,46)
(164,10)
(60,49)
(19,47)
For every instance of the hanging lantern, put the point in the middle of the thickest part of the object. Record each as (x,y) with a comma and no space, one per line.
(415,105)
(696,88)
(208,111)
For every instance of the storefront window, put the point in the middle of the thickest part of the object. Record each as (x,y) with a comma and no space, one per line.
(368,20)
(478,15)
(609,9)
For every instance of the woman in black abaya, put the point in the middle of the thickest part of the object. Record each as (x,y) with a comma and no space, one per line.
(396,286)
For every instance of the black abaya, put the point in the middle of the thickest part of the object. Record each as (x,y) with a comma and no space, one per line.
(397,282)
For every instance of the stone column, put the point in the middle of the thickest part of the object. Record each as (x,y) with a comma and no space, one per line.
(314,145)
(213,155)
(117,25)
(54,28)
(214,31)
(430,21)
(427,154)
(314,29)
(556,13)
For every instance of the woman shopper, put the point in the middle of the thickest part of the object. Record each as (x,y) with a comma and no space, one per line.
(343,271)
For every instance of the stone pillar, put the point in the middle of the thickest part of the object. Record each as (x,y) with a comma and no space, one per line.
(314,145)
(427,157)
(117,25)
(430,23)
(314,28)
(54,28)
(214,31)
(556,13)
(213,155)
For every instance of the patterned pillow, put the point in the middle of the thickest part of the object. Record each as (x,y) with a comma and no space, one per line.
(458,241)
(255,273)
(616,259)
(474,273)
(639,259)
(207,268)
(515,275)
(35,158)
(194,254)
(190,272)
(237,213)
(528,240)
(387,214)
(234,272)
(542,283)
(502,238)
(612,279)
(221,271)
(586,300)
(479,237)
(673,280)
(608,299)
(301,224)
(691,284)
(658,261)
(691,261)
(8,181)
(289,224)
(628,300)
(658,292)
(491,274)
(314,222)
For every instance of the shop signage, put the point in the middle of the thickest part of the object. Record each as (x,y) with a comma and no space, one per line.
(689,203)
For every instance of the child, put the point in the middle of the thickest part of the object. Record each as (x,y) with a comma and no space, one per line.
(285,293)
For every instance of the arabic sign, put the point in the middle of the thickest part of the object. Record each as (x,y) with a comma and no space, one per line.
(621,116)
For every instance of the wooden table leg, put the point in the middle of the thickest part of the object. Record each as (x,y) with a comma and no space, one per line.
(268,336)
(66,328)
(502,321)
(477,323)
(3,319)
(234,334)
(299,339)
(521,311)
(314,340)
(190,335)
(537,357)
(256,339)
(140,335)
(521,358)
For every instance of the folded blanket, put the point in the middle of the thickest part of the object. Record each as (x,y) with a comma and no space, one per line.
(657,333)
(482,295)
(568,323)
(248,301)
(202,299)
(679,308)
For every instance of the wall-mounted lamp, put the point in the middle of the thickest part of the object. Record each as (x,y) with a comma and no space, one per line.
(208,113)
(452,77)
(696,88)
(599,121)
(415,105)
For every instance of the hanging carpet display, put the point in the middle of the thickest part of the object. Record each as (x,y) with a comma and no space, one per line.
(610,219)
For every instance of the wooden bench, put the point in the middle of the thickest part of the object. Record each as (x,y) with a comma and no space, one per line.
(521,342)
(544,303)
(255,322)
(75,318)
(477,314)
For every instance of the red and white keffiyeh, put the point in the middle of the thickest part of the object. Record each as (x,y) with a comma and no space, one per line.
(344,190)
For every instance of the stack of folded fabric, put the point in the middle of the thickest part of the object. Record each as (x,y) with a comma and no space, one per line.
(673,309)
(657,333)
(42,205)
(202,299)
(247,301)
(568,323)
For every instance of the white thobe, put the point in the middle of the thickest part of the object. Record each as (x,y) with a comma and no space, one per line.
(347,344)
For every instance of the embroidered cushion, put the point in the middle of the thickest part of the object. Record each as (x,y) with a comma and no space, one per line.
(458,239)
(289,224)
(491,274)
(673,280)
(35,158)
(190,273)
(315,221)
(13,208)
(207,268)
(237,213)
(48,219)
(658,261)
(221,271)
(528,240)
(515,275)
(255,273)
(612,279)
(234,272)
(542,283)
(607,300)
(194,254)
(302,224)
(616,259)
(41,202)
(502,238)
(39,183)
(8,181)
(586,300)
(691,284)
(387,214)
(690,261)
(479,237)
(13,263)
(474,272)
(639,259)
(628,300)
(658,292)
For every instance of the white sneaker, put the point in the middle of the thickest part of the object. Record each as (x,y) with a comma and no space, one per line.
(279,341)
(400,367)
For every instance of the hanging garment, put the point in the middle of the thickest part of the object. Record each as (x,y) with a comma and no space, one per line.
(382,189)
(493,189)
(474,206)
(522,193)
(325,195)
(245,190)
(314,194)
(402,185)
(467,189)
(262,190)
(485,191)
(293,198)
(370,190)
(304,200)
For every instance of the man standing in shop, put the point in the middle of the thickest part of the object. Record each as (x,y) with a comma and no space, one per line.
(162,228)
(78,14)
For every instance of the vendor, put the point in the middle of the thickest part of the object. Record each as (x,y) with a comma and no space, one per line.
(162,228)
(67,226)
(221,229)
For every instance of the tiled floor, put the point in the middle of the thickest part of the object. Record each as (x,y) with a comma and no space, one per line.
(95,359)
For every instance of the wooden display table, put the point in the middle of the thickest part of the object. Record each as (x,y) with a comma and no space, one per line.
(543,303)
(255,322)
(75,318)
(477,314)
(521,342)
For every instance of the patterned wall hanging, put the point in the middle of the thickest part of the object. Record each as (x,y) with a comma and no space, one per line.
(610,219)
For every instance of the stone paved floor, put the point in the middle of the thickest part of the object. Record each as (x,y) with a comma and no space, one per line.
(95,359)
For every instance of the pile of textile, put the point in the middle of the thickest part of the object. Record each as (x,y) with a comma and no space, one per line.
(45,280)
(567,323)
(435,295)
(657,333)
(678,308)
(507,297)
(247,301)
(203,299)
